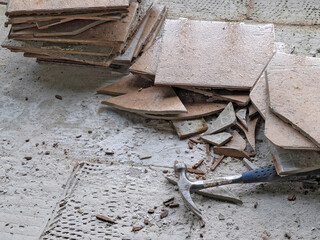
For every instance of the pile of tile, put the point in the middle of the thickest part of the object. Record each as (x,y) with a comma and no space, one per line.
(200,68)
(97,33)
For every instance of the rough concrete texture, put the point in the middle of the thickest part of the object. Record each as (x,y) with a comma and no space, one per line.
(30,189)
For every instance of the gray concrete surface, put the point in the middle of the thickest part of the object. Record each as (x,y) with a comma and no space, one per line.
(33,121)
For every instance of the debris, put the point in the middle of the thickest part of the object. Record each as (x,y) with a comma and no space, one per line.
(226,119)
(27,158)
(168,202)
(144,155)
(250,132)
(78,136)
(291,197)
(218,139)
(164,213)
(47,153)
(234,148)
(127,84)
(146,221)
(152,100)
(195,140)
(287,235)
(188,128)
(198,164)
(216,162)
(136,229)
(174,205)
(190,144)
(104,218)
(221,217)
(202,223)
(58,97)
(151,211)
(252,111)
(286,100)
(242,117)
(196,171)
(255,205)
(249,164)
(165,171)
(212,40)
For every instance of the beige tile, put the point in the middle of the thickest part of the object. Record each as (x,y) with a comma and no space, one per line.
(194,51)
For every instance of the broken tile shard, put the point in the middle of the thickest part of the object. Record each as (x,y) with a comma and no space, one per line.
(242,117)
(234,148)
(226,119)
(250,132)
(217,139)
(188,128)
(152,100)
(125,85)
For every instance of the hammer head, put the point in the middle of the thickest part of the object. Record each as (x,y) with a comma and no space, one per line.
(185,188)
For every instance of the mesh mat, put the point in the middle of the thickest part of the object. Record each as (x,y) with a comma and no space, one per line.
(124,191)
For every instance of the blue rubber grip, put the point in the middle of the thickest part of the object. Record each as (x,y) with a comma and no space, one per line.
(265,174)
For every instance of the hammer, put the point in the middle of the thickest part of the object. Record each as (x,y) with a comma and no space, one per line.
(265,174)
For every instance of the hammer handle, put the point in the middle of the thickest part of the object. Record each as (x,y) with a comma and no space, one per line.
(265,174)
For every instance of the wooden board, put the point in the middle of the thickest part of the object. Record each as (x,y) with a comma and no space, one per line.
(289,162)
(125,85)
(234,148)
(152,100)
(148,62)
(106,34)
(188,128)
(155,16)
(195,110)
(193,52)
(18,7)
(47,47)
(284,135)
(293,86)
(258,96)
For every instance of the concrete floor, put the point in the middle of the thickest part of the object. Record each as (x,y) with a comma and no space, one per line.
(33,123)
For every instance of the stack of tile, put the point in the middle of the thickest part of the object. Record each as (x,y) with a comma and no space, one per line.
(287,97)
(97,33)
(199,68)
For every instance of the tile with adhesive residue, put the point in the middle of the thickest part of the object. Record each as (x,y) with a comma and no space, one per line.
(226,119)
(152,100)
(125,85)
(293,86)
(188,128)
(194,51)
(218,139)
(294,161)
